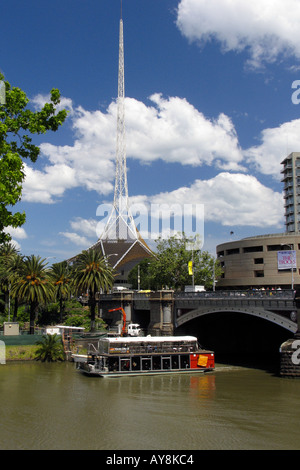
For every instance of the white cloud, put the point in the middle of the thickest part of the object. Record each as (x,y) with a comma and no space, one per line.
(229,199)
(40,100)
(265,28)
(88,163)
(175,131)
(76,239)
(276,144)
(18,232)
(83,232)
(45,186)
(170,129)
(85,226)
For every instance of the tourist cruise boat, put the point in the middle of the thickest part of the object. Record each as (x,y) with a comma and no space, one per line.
(149,355)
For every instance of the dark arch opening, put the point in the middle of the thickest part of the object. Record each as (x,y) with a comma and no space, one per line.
(239,339)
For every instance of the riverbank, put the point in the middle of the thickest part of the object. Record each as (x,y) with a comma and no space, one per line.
(23,347)
(27,352)
(20,353)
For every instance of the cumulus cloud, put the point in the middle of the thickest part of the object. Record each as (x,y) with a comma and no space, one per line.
(87,227)
(169,129)
(267,29)
(45,186)
(175,131)
(83,234)
(38,101)
(76,239)
(229,199)
(16,232)
(274,147)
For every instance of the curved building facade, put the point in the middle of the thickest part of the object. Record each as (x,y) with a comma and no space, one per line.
(253,262)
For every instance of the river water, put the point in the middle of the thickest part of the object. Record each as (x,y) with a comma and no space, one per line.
(53,406)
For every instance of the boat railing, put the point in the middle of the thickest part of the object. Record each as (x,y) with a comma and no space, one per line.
(92,349)
(160,348)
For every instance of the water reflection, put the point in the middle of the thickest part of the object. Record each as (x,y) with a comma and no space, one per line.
(52,406)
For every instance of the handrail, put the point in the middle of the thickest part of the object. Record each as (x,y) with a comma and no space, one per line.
(249,293)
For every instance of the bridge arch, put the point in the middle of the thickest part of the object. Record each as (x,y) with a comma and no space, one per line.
(272,317)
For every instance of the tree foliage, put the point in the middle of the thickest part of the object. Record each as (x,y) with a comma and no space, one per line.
(17,125)
(33,285)
(27,280)
(91,275)
(50,349)
(61,276)
(170,265)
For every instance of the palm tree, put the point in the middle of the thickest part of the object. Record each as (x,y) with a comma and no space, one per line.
(33,285)
(61,278)
(91,275)
(50,349)
(7,252)
(14,266)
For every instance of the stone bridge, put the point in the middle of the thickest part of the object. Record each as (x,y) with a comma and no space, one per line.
(163,311)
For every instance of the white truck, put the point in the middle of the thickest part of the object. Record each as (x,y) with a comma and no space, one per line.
(134,329)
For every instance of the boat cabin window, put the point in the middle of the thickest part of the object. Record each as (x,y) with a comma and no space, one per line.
(127,345)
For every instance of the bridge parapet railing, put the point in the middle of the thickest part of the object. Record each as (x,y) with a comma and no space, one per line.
(248,293)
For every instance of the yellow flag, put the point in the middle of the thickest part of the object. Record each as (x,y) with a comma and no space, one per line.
(190,268)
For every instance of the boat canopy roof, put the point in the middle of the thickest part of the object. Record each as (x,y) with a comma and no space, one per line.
(149,339)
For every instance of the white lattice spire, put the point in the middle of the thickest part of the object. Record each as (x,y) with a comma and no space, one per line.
(120,224)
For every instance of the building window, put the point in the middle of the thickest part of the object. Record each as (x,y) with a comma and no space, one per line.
(259,274)
(233,251)
(282,247)
(253,249)
(258,260)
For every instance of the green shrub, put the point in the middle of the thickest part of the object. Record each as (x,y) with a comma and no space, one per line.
(50,349)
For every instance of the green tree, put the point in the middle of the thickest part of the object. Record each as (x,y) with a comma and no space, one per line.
(33,285)
(8,252)
(17,124)
(61,275)
(50,349)
(143,271)
(14,264)
(169,266)
(91,275)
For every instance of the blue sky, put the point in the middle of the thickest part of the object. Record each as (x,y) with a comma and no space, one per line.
(209,114)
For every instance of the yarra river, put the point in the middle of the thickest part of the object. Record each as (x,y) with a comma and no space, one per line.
(53,406)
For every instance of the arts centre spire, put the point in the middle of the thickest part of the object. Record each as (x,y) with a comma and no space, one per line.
(120,241)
